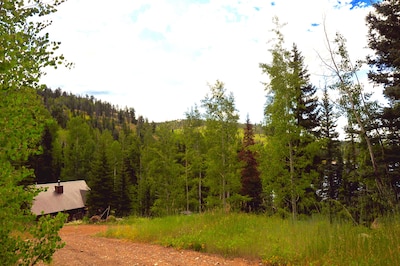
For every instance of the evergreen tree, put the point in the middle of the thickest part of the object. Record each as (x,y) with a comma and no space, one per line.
(145,187)
(45,169)
(331,166)
(131,171)
(193,141)
(126,179)
(165,173)
(290,148)
(384,40)
(250,175)
(124,189)
(306,108)
(101,194)
(352,188)
(115,158)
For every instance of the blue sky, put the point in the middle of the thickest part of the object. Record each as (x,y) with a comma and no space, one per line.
(159,56)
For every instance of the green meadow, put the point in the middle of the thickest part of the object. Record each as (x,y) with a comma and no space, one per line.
(272,240)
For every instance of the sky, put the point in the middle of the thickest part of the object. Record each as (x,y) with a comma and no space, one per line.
(161,56)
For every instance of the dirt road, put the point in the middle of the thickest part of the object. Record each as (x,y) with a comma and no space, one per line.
(83,248)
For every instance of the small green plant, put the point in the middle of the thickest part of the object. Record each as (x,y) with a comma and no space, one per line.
(85,219)
(111,219)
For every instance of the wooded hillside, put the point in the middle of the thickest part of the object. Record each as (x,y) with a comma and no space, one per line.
(293,165)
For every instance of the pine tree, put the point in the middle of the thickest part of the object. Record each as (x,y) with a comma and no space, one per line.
(124,186)
(145,184)
(193,141)
(306,107)
(43,164)
(290,148)
(250,175)
(331,166)
(384,40)
(123,189)
(306,110)
(101,194)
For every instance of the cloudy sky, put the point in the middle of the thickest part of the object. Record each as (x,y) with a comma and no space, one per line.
(158,56)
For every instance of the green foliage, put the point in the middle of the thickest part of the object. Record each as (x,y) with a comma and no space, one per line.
(250,174)
(43,240)
(193,159)
(101,181)
(78,150)
(221,135)
(44,164)
(156,169)
(24,50)
(362,128)
(291,119)
(384,40)
(166,173)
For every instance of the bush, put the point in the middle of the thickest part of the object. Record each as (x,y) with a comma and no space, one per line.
(85,219)
(111,219)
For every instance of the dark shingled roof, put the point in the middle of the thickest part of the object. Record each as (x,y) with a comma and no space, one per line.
(72,197)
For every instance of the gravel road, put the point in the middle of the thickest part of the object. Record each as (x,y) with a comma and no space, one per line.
(83,248)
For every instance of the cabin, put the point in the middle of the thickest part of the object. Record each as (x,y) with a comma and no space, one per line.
(68,197)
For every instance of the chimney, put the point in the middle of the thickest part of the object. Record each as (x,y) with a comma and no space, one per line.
(59,189)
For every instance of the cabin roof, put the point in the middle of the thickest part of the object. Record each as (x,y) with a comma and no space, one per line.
(71,196)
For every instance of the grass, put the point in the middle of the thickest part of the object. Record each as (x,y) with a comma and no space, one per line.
(273,240)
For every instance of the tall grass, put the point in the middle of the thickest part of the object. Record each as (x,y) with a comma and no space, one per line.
(273,240)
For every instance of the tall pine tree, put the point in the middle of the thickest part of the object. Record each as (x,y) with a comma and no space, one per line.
(193,141)
(101,195)
(290,148)
(384,40)
(331,161)
(250,174)
(306,107)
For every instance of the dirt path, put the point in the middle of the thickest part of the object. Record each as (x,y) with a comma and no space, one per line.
(83,248)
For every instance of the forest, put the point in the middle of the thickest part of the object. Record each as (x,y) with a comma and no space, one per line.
(293,165)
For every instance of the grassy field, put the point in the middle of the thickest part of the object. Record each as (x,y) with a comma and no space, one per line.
(273,240)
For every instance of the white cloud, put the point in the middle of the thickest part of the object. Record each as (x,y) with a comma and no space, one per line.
(158,56)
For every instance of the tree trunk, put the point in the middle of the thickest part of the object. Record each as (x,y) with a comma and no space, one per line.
(345,89)
(186,180)
(200,192)
(293,197)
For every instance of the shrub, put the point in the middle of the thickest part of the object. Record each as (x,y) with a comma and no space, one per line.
(111,219)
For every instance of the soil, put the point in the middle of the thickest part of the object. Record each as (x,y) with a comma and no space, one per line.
(84,248)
